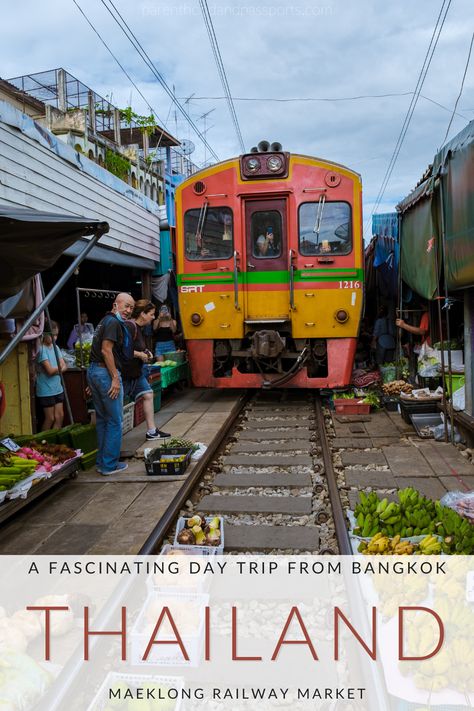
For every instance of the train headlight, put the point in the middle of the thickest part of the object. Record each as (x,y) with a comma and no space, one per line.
(196,319)
(253,165)
(341,316)
(274,163)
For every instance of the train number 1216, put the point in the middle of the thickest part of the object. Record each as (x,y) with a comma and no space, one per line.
(349,284)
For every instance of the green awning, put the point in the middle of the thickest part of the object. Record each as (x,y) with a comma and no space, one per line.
(456,163)
(419,243)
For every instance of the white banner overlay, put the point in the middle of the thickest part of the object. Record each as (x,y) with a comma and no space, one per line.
(236,632)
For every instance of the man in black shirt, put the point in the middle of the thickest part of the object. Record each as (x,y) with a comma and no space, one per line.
(111,348)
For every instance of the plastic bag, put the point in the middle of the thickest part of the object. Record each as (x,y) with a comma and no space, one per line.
(459,399)
(461,502)
(438,433)
(197,454)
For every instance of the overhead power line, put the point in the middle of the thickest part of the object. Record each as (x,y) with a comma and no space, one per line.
(221,69)
(462,87)
(153,111)
(122,23)
(416,94)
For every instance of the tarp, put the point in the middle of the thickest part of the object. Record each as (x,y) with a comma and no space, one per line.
(419,243)
(32,241)
(386,257)
(455,161)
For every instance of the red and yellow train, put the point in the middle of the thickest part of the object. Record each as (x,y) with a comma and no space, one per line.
(270,270)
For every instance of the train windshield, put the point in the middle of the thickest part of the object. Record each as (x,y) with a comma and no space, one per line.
(325,228)
(209,233)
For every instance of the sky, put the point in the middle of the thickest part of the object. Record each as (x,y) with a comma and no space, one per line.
(271,49)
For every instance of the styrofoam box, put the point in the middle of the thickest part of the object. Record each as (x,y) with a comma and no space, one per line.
(134,681)
(205,550)
(184,582)
(169,655)
(457,357)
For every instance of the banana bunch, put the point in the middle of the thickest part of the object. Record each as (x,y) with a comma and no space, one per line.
(457,531)
(383,545)
(430,545)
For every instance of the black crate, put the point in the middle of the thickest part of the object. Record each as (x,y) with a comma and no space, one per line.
(390,403)
(408,408)
(156,467)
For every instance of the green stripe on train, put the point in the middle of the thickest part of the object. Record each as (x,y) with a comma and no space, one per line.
(274,277)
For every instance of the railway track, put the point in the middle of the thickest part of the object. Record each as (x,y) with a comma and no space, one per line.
(272,479)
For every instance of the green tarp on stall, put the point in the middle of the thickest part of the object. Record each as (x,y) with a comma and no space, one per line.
(419,241)
(456,161)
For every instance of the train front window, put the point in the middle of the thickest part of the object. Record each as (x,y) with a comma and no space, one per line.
(265,230)
(325,228)
(209,233)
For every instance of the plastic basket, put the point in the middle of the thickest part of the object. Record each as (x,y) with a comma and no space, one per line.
(195,582)
(138,413)
(192,636)
(351,407)
(127,422)
(219,550)
(84,438)
(156,387)
(88,460)
(101,700)
(411,407)
(167,461)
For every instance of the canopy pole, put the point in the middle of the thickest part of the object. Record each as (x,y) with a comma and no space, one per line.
(446,302)
(441,340)
(398,365)
(10,347)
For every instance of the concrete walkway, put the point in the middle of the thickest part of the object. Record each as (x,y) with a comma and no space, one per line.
(101,515)
(385,440)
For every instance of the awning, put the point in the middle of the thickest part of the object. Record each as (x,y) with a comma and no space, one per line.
(420,247)
(111,256)
(455,162)
(32,241)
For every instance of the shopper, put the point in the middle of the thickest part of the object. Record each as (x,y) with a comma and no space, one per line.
(49,388)
(383,339)
(111,349)
(85,328)
(164,327)
(135,372)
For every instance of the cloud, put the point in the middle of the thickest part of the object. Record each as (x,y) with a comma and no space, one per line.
(271,49)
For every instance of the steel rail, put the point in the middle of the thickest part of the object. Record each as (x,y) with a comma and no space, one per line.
(340,526)
(155,539)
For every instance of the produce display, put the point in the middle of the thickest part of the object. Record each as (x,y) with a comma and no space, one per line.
(413,515)
(395,387)
(13,469)
(200,533)
(48,455)
(167,363)
(86,353)
(178,443)
(383,545)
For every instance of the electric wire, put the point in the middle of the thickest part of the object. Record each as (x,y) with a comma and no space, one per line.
(135,42)
(153,111)
(416,94)
(461,89)
(221,70)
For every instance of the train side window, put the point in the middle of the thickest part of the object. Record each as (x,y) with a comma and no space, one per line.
(265,233)
(325,228)
(209,233)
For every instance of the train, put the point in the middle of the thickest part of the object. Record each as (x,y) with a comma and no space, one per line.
(269,263)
